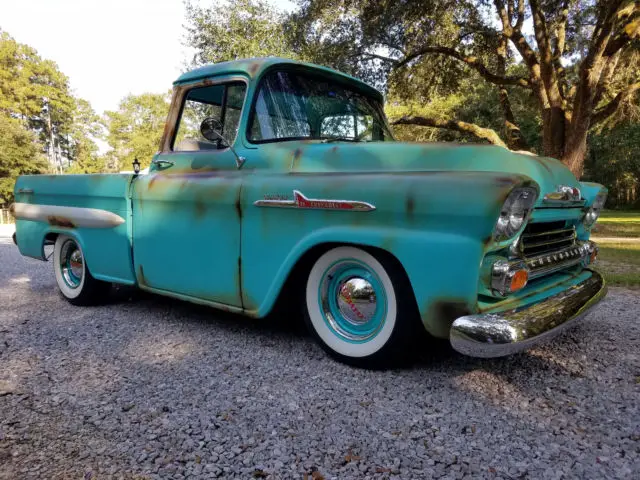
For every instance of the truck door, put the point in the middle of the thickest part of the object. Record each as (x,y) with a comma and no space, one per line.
(186,224)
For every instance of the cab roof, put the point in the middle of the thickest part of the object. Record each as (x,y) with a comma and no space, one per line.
(253,68)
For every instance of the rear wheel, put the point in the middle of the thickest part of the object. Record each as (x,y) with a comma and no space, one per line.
(357,307)
(73,277)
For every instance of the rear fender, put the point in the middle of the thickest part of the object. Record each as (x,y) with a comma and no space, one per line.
(98,247)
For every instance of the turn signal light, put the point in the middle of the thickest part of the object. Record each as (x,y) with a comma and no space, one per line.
(519,280)
(508,277)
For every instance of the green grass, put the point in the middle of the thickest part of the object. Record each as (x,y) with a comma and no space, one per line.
(618,224)
(620,263)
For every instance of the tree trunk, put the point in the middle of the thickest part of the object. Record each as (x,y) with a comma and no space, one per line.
(553,132)
(576,148)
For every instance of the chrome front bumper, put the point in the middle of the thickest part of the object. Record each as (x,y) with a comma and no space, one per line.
(503,333)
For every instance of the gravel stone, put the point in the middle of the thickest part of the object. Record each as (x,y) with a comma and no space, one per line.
(148,387)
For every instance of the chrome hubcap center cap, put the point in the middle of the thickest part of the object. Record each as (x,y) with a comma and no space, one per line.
(352,301)
(71,264)
(75,263)
(356,300)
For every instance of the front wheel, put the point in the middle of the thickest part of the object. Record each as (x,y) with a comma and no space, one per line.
(73,277)
(359,307)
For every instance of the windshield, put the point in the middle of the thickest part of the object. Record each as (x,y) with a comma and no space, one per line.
(301,106)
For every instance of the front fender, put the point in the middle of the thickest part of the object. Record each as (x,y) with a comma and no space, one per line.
(443,284)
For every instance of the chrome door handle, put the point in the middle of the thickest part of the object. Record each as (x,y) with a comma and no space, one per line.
(25,190)
(163,163)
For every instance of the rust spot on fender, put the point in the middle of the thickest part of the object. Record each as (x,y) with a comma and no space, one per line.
(440,313)
(152,181)
(253,68)
(541,161)
(238,206)
(410,205)
(200,208)
(141,279)
(297,155)
(240,295)
(505,181)
(487,242)
(60,221)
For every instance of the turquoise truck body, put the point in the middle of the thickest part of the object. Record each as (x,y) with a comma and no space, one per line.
(195,229)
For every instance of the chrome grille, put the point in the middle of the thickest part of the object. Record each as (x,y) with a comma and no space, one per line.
(546,237)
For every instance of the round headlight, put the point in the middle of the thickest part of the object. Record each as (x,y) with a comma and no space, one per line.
(515,212)
(594,212)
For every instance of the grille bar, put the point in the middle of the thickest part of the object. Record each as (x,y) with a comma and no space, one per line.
(538,241)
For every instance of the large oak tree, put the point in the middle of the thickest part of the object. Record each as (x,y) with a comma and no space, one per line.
(577,58)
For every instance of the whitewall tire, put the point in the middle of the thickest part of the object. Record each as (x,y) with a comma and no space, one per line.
(75,282)
(352,306)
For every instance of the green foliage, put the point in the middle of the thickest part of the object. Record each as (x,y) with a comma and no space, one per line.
(135,129)
(614,161)
(19,154)
(237,29)
(40,116)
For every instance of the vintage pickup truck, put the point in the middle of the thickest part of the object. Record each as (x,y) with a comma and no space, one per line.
(277,180)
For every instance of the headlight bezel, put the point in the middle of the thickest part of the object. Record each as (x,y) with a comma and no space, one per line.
(593,212)
(515,212)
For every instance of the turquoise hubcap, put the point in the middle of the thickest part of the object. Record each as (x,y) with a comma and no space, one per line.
(352,301)
(71,264)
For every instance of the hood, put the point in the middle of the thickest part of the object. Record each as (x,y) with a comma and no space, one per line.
(307,157)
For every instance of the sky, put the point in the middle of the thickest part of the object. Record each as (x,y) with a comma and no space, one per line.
(108,49)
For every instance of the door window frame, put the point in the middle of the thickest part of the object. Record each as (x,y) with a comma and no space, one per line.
(178,100)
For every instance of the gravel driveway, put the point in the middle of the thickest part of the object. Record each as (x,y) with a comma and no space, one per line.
(147,387)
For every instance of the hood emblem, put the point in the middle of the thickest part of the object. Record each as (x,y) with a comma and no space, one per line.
(300,201)
(564,193)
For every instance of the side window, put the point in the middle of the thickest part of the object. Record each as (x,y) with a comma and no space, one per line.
(222,102)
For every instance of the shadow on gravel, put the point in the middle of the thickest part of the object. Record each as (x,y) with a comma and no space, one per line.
(280,321)
(436,356)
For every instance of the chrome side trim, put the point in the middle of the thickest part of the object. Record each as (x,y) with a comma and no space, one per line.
(300,201)
(69,217)
(504,333)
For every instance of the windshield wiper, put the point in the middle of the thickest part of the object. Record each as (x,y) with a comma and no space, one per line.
(340,139)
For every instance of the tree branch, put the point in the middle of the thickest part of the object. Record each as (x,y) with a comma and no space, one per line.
(514,138)
(479,132)
(520,19)
(472,61)
(559,47)
(378,57)
(607,75)
(610,108)
(548,72)
(504,17)
(520,42)
(629,29)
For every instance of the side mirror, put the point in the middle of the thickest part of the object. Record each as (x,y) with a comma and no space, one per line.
(211,129)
